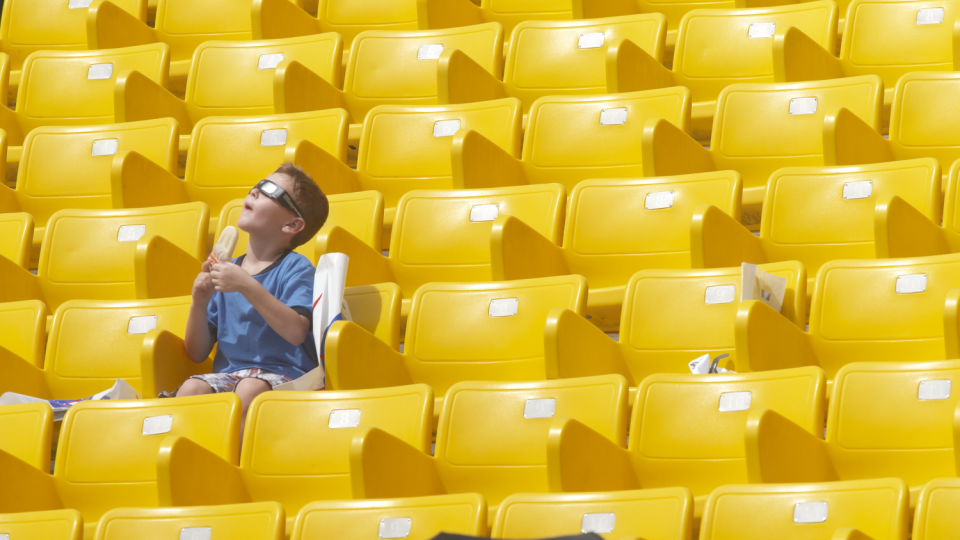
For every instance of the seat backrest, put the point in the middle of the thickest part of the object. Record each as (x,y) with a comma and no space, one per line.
(23,329)
(350,17)
(256,521)
(376,308)
(89,253)
(229,155)
(878,508)
(404,147)
(651,218)
(819,214)
(881,310)
(359,213)
(510,13)
(235,78)
(671,317)
(890,38)
(25,433)
(485,331)
(936,517)
(422,252)
(75,88)
(303,435)
(719,47)
(492,437)
(571,138)
(688,430)
(547,58)
(401,67)
(32,25)
(50,525)
(16,237)
(914,403)
(664,514)
(760,128)
(422,518)
(951,208)
(922,117)
(185,24)
(70,167)
(107,454)
(95,342)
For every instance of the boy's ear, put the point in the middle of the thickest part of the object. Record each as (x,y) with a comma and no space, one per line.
(294,226)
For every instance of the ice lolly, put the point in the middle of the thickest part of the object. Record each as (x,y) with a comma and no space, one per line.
(223,249)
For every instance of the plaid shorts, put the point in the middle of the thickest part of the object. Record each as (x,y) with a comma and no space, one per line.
(227,382)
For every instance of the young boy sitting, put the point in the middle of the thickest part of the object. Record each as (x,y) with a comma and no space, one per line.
(258,308)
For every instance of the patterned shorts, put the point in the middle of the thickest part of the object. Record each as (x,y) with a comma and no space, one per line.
(227,382)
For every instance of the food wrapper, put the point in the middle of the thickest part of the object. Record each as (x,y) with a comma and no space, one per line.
(223,250)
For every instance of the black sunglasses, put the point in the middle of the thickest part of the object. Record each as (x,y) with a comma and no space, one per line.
(280,195)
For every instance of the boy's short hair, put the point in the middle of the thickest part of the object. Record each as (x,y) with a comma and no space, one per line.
(311,200)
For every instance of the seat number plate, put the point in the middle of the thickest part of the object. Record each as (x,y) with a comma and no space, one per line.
(430,52)
(613,117)
(141,325)
(810,512)
(857,190)
(395,527)
(484,212)
(269,61)
(761,30)
(806,105)
(934,390)
(539,408)
(658,200)
(735,401)
(911,283)
(930,16)
(196,533)
(131,233)
(720,294)
(97,72)
(504,307)
(344,418)
(446,128)
(155,425)
(598,523)
(592,40)
(105,147)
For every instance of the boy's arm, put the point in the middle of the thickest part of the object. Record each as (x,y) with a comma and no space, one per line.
(197,339)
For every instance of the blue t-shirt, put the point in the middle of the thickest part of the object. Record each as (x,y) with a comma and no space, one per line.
(246,341)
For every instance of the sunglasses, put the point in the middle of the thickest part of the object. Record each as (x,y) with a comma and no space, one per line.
(280,195)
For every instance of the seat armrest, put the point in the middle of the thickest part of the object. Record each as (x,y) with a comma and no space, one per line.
(8,200)
(138,97)
(766,340)
(580,459)
(22,377)
(599,9)
(161,269)
(669,151)
(630,68)
(435,14)
(164,363)
(110,27)
(478,163)
(332,175)
(18,282)
(900,230)
(383,466)
(35,489)
(849,533)
(138,182)
(797,57)
(297,89)
(517,251)
(779,451)
(951,324)
(575,347)
(367,265)
(848,140)
(190,475)
(717,240)
(356,359)
(276,19)
(460,79)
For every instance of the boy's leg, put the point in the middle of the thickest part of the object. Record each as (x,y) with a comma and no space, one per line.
(194,387)
(247,389)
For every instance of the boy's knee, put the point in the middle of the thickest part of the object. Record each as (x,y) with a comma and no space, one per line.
(251,387)
(194,387)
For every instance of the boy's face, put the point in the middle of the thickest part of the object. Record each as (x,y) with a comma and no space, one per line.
(263,216)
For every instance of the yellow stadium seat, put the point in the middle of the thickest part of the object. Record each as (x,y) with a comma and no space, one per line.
(662,514)
(273,19)
(862,510)
(885,420)
(760,128)
(229,155)
(901,230)
(182,24)
(548,58)
(113,255)
(686,430)
(888,38)
(492,439)
(360,214)
(613,229)
(23,332)
(75,88)
(16,233)
(922,120)
(816,215)
(669,318)
(50,525)
(417,518)
(72,167)
(107,454)
(457,332)
(164,364)
(25,433)
(936,516)
(716,48)
(296,448)
(255,521)
(34,25)
(569,139)
(509,13)
(386,68)
(228,78)
(459,250)
(882,310)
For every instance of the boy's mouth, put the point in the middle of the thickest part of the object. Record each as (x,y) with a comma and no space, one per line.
(247,207)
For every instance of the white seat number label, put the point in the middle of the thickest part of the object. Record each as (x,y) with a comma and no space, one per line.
(539,408)
(911,283)
(593,40)
(484,212)
(344,418)
(504,307)
(598,523)
(934,390)
(720,294)
(395,527)
(429,52)
(446,128)
(810,512)
(155,425)
(761,30)
(269,61)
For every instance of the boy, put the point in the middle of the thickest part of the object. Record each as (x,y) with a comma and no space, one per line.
(258,308)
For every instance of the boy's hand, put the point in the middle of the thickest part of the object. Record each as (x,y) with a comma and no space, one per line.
(228,277)
(203,288)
